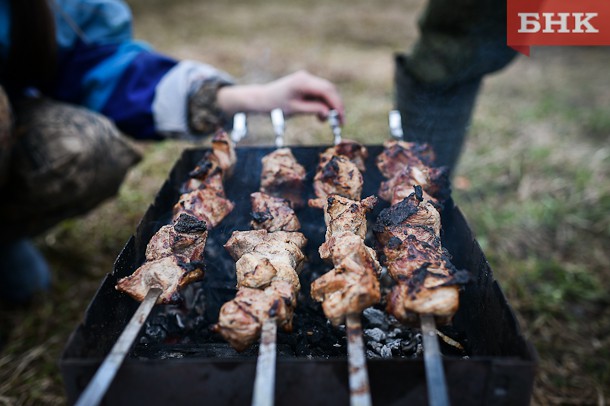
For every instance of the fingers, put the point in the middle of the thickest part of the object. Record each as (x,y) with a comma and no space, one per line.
(317,90)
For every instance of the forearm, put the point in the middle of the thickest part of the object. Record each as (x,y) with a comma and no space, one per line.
(233,99)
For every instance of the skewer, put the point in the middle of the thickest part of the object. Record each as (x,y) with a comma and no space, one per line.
(395,124)
(92,395)
(264,383)
(360,394)
(239,127)
(435,374)
(277,119)
(333,120)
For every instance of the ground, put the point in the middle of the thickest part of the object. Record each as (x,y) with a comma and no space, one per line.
(533,181)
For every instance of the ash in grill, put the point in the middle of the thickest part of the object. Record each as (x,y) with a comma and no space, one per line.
(177,348)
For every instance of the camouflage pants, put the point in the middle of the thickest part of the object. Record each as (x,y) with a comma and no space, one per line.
(56,161)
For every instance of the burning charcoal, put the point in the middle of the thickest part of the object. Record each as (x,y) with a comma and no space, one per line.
(375,346)
(371,354)
(394,345)
(153,333)
(395,333)
(385,352)
(376,318)
(375,334)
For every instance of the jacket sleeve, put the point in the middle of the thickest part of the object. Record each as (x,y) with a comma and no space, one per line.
(101,67)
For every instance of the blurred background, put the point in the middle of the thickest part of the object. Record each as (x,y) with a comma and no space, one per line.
(533,181)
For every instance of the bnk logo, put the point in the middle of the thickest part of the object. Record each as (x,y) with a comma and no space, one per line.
(557,23)
(578,23)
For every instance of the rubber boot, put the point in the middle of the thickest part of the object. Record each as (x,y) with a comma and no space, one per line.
(438,115)
(23,272)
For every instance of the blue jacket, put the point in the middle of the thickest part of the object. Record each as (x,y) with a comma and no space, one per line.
(100,66)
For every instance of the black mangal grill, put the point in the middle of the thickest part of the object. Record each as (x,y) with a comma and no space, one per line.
(178,359)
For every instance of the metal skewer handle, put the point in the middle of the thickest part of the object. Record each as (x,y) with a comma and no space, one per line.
(395,123)
(333,120)
(360,393)
(240,129)
(277,119)
(264,383)
(97,387)
(435,375)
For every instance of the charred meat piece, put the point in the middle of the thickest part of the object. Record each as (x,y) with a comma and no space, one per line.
(434,182)
(185,239)
(403,258)
(169,274)
(352,285)
(206,175)
(173,260)
(241,319)
(338,176)
(399,154)
(282,176)
(205,205)
(413,211)
(272,213)
(214,167)
(352,150)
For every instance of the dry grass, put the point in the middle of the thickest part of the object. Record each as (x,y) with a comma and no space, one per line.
(534,179)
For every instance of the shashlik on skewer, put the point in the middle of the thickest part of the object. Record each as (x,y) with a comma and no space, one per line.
(268,258)
(409,233)
(352,285)
(203,195)
(174,254)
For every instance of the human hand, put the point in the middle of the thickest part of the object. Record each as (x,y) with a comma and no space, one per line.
(297,93)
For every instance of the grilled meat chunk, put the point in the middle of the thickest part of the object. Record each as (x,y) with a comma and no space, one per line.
(338,176)
(342,214)
(224,151)
(185,239)
(243,242)
(397,155)
(241,319)
(352,285)
(204,204)
(173,260)
(257,271)
(442,302)
(272,213)
(168,273)
(413,211)
(434,182)
(214,167)
(352,150)
(282,176)
(264,257)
